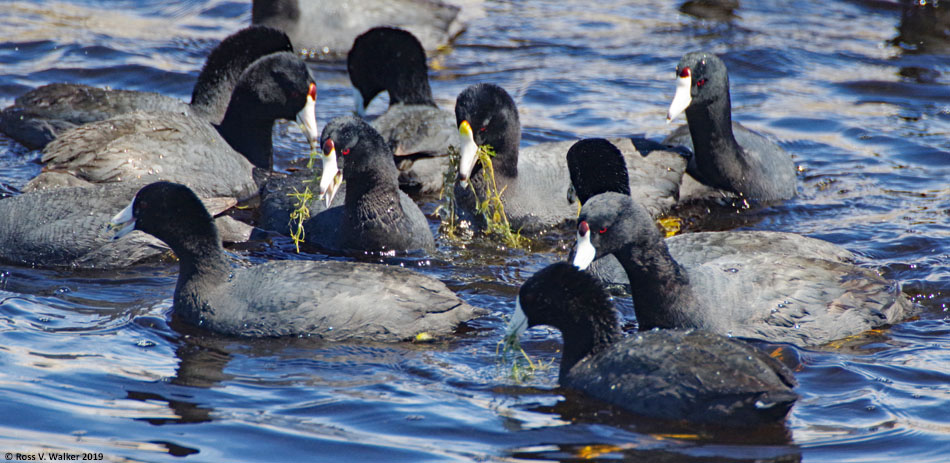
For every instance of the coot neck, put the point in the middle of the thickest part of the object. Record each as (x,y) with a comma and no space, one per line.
(593,335)
(372,196)
(249,134)
(504,164)
(202,263)
(411,88)
(718,155)
(657,282)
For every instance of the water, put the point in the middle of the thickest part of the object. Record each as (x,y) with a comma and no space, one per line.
(93,362)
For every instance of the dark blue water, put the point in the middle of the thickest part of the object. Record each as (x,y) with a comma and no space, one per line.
(90,361)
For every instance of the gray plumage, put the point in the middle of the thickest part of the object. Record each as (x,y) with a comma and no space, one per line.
(142,147)
(534,179)
(420,137)
(778,295)
(671,374)
(418,132)
(376,214)
(42,114)
(216,160)
(330,300)
(326,29)
(68,227)
(727,157)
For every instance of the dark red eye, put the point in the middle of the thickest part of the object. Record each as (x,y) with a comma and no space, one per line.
(583,228)
(700,82)
(684,72)
(345,151)
(603,230)
(483,129)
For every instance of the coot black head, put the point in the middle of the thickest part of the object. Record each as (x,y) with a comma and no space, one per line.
(392,60)
(572,301)
(172,213)
(362,151)
(702,80)
(277,86)
(487,115)
(596,167)
(610,222)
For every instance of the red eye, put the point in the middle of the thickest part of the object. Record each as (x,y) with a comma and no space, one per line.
(684,72)
(700,82)
(603,230)
(345,151)
(483,129)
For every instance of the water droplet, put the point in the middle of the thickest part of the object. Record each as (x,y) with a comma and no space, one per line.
(145,343)
(62,290)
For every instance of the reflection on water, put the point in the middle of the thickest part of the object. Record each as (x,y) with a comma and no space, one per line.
(855,90)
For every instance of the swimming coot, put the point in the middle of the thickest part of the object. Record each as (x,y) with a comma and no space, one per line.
(598,167)
(326,29)
(215,160)
(376,215)
(67,227)
(532,179)
(728,157)
(671,374)
(330,299)
(721,284)
(40,115)
(419,133)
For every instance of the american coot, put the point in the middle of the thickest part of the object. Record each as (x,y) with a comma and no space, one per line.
(332,300)
(326,29)
(721,286)
(671,374)
(376,214)
(215,160)
(532,178)
(39,116)
(419,133)
(67,228)
(728,156)
(597,167)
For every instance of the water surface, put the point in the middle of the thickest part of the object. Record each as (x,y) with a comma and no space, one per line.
(93,361)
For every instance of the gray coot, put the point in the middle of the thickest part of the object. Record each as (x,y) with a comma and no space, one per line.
(532,179)
(330,299)
(326,29)
(215,160)
(729,158)
(376,215)
(40,115)
(419,133)
(721,284)
(598,167)
(67,227)
(670,374)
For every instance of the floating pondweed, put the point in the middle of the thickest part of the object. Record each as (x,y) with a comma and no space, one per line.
(522,368)
(491,208)
(329,181)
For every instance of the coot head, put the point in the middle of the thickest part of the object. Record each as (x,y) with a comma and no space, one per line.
(596,166)
(486,115)
(701,80)
(610,222)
